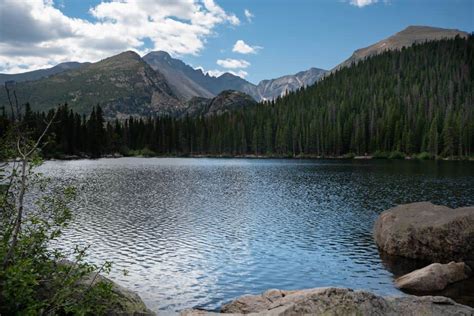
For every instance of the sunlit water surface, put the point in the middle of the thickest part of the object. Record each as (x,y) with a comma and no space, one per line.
(200,232)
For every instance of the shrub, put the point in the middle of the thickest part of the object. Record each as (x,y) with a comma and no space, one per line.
(33,281)
(396,155)
(423,156)
(381,155)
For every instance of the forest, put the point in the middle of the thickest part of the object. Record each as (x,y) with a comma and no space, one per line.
(399,103)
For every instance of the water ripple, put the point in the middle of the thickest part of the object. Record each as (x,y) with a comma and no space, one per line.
(199,232)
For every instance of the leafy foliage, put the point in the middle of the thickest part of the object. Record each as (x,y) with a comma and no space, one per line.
(36,279)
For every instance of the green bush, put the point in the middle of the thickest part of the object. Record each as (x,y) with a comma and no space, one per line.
(348,156)
(396,155)
(381,155)
(34,280)
(423,156)
(145,152)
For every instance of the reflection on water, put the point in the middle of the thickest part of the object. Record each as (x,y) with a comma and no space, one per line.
(199,232)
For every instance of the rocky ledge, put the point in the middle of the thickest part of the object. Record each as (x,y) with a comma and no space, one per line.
(337,301)
(426,231)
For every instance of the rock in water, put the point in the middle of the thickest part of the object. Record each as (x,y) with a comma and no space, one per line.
(426,231)
(434,277)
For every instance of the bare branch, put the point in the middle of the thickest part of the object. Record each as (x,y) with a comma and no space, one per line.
(10,101)
(42,135)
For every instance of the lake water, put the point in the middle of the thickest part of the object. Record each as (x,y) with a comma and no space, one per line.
(200,232)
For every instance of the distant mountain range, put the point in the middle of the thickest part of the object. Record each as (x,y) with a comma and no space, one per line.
(188,82)
(40,73)
(158,84)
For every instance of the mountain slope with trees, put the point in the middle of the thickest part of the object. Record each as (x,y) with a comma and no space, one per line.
(414,100)
(123,84)
(413,34)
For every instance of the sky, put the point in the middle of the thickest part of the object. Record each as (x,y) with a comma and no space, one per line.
(255,39)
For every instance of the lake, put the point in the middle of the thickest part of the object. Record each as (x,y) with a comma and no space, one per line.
(200,232)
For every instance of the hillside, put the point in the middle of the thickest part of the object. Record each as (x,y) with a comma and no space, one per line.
(405,38)
(123,85)
(417,100)
(227,100)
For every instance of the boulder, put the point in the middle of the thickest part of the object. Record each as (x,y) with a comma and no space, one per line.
(434,277)
(337,301)
(126,302)
(426,231)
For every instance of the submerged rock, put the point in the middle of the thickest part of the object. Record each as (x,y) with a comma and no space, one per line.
(426,231)
(337,301)
(434,277)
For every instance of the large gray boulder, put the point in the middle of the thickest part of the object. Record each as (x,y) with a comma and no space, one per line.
(337,301)
(426,231)
(434,277)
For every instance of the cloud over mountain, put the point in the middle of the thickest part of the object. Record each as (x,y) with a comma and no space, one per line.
(38,34)
(233,63)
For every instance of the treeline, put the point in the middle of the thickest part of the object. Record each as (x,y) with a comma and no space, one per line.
(419,99)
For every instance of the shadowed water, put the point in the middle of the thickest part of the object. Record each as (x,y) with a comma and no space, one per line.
(199,232)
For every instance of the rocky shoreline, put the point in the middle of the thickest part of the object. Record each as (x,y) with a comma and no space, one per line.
(423,231)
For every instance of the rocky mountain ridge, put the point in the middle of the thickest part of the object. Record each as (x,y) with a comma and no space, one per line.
(411,35)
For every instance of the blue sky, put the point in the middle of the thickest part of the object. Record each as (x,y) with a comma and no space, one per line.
(289,36)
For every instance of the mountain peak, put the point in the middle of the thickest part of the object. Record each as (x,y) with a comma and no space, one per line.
(412,34)
(429,31)
(129,54)
(159,54)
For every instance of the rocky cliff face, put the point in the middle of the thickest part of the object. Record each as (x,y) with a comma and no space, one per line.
(227,100)
(180,77)
(274,88)
(405,38)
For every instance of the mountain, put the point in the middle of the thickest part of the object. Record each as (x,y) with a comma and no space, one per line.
(271,89)
(402,102)
(416,101)
(404,38)
(225,101)
(181,77)
(123,85)
(40,73)
(188,82)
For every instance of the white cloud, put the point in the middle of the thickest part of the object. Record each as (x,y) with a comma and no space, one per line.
(249,15)
(240,73)
(362,3)
(233,63)
(35,34)
(243,48)
(215,73)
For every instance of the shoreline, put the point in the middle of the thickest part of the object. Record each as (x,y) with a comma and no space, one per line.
(225,156)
